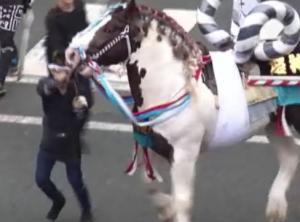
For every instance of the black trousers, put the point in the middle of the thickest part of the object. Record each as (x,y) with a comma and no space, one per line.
(8,53)
(45,163)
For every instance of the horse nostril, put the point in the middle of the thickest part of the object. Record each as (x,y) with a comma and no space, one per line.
(70,54)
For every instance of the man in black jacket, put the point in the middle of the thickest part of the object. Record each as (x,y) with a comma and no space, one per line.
(11,12)
(67,18)
(66,100)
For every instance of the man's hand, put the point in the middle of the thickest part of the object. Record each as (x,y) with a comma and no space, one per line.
(61,75)
(86,71)
(72,57)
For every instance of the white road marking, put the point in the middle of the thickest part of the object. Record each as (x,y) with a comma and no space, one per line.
(119,86)
(37,121)
(102,126)
(35,59)
(185,18)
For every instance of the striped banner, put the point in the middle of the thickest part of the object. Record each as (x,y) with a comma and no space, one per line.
(273,81)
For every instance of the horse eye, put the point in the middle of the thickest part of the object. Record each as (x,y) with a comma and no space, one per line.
(107,30)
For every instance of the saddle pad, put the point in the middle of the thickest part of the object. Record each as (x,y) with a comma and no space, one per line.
(257,94)
(254,94)
(233,117)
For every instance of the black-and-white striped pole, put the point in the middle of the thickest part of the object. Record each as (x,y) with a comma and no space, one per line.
(240,9)
(248,42)
(208,26)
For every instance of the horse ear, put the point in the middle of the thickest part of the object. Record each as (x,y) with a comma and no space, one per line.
(132,8)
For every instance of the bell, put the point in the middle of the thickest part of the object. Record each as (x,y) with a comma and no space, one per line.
(79,102)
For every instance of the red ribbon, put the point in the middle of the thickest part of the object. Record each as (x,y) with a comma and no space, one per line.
(147,163)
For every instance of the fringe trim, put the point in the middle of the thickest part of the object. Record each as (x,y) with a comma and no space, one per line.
(281,126)
(133,165)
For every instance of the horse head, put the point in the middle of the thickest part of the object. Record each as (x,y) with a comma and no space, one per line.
(151,44)
(111,39)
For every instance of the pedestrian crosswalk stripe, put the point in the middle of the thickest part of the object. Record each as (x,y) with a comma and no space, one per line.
(119,86)
(102,126)
(37,121)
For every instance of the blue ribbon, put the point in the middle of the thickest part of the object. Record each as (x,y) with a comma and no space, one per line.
(143,119)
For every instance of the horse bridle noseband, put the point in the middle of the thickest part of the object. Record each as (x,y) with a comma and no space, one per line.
(123,35)
(89,60)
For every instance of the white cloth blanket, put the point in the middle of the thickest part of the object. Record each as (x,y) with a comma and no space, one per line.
(233,118)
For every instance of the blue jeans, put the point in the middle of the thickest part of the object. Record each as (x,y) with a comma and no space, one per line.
(45,163)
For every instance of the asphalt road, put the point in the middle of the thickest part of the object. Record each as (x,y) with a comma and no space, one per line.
(231,186)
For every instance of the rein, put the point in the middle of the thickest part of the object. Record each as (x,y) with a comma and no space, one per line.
(144,119)
(147,117)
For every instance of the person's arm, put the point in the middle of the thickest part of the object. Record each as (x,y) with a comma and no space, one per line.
(85,89)
(27,5)
(89,95)
(81,6)
(55,41)
(46,87)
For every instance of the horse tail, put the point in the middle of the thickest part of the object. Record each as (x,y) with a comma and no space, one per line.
(248,39)
(208,26)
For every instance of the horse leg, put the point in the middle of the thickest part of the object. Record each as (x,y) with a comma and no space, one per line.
(277,205)
(164,205)
(162,201)
(182,175)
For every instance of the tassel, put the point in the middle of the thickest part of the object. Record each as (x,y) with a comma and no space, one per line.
(148,167)
(285,126)
(133,165)
(206,59)
(279,130)
(198,73)
(149,171)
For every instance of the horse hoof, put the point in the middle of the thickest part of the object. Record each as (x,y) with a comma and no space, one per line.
(163,218)
(276,210)
(166,214)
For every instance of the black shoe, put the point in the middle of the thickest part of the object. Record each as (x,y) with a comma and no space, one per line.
(2,90)
(56,208)
(86,216)
(13,71)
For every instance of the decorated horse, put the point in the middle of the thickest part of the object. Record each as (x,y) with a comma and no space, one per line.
(175,112)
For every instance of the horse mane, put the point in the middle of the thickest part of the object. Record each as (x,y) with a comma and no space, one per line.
(184,47)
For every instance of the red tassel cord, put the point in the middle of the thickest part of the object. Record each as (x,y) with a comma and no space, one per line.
(133,165)
(131,169)
(279,130)
(148,166)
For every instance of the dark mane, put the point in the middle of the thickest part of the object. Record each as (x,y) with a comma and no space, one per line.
(141,18)
(182,48)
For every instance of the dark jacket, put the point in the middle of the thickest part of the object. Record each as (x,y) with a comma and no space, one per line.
(11,12)
(62,27)
(62,123)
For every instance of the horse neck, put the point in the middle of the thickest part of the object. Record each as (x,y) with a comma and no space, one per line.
(160,75)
